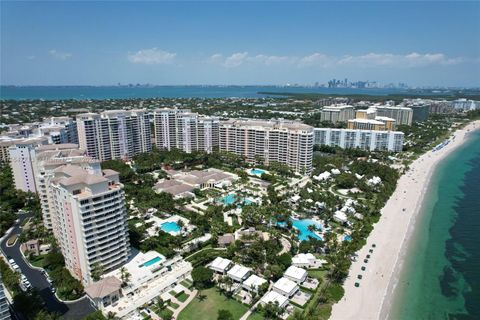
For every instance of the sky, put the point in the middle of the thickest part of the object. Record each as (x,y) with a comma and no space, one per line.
(174,43)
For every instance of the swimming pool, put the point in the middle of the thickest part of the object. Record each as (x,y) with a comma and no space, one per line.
(151,262)
(257,172)
(302,226)
(231,198)
(170,227)
(347,238)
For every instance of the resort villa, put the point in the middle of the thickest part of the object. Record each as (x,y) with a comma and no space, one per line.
(285,287)
(182,183)
(296,274)
(220,265)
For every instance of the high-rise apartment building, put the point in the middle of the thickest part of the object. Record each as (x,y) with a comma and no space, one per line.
(114,134)
(4,307)
(90,218)
(287,142)
(20,158)
(59,130)
(378,123)
(402,115)
(362,139)
(337,113)
(45,159)
(185,130)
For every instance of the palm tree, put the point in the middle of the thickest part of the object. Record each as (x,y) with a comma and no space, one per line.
(111,316)
(160,304)
(312,228)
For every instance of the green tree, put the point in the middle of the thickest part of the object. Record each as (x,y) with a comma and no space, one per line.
(202,277)
(97,271)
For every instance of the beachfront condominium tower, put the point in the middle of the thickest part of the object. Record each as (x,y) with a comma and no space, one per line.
(89,208)
(363,139)
(185,130)
(337,113)
(268,141)
(401,115)
(44,161)
(20,153)
(114,134)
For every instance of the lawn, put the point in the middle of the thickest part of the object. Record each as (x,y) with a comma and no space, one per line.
(318,274)
(37,261)
(207,309)
(182,296)
(256,316)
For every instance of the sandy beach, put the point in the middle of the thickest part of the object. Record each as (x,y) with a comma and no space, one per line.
(372,300)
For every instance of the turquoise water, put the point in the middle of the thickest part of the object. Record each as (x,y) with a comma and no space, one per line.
(231,198)
(347,238)
(302,226)
(257,172)
(170,227)
(116,92)
(151,262)
(441,274)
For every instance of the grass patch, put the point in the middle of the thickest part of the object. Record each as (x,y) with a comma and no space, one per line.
(207,309)
(11,240)
(255,316)
(37,261)
(318,274)
(186,283)
(182,296)
(173,304)
(334,292)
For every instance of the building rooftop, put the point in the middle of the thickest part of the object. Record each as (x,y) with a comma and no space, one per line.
(370,121)
(238,271)
(274,297)
(272,124)
(295,273)
(303,258)
(285,285)
(104,287)
(220,263)
(254,281)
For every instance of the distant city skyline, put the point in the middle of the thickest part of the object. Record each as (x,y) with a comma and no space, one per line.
(215,43)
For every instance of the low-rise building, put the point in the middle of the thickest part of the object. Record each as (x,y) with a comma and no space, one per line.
(306,260)
(220,265)
(253,283)
(239,273)
(274,298)
(285,287)
(296,274)
(104,293)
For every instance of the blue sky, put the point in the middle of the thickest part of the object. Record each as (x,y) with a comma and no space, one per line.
(71,43)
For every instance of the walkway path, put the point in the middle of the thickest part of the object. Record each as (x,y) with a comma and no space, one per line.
(286,246)
(182,305)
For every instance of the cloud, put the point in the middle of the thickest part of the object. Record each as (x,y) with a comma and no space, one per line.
(322,60)
(59,55)
(151,56)
(413,59)
(241,58)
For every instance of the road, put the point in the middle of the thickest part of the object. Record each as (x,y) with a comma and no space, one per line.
(75,310)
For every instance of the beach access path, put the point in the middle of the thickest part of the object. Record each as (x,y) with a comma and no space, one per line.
(373,298)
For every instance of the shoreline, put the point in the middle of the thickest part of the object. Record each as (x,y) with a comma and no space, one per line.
(392,235)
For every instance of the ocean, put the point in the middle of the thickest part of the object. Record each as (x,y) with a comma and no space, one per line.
(122,92)
(440,278)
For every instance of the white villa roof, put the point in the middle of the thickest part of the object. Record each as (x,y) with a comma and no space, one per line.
(295,272)
(285,285)
(340,216)
(238,271)
(273,297)
(220,263)
(254,281)
(303,258)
